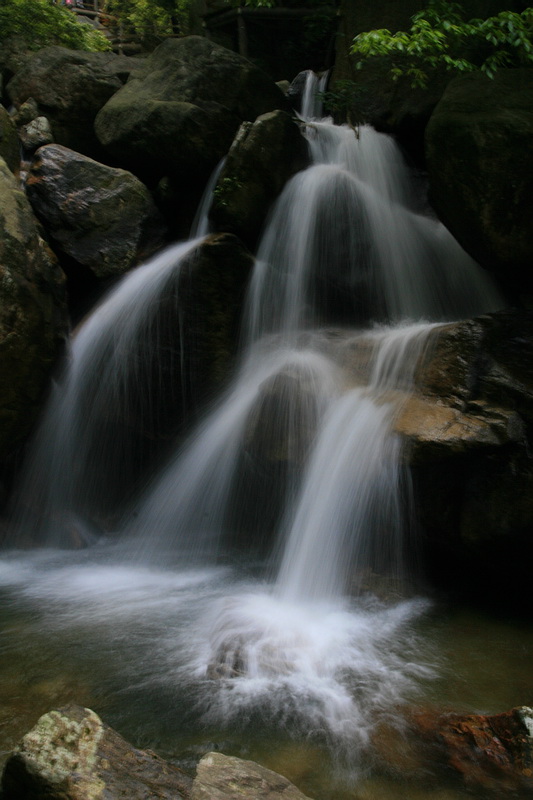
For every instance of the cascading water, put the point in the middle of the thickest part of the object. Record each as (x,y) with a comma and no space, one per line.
(300,447)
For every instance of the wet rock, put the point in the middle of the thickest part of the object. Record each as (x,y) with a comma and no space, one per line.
(9,143)
(71,754)
(480,169)
(469,433)
(211,288)
(33,317)
(180,113)
(70,87)
(262,158)
(103,218)
(494,753)
(221,777)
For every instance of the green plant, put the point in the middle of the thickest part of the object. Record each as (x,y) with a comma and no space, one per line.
(40,23)
(225,188)
(440,37)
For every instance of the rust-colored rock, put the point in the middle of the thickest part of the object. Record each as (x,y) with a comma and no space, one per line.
(491,752)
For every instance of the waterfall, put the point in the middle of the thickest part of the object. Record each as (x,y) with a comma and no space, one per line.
(260,565)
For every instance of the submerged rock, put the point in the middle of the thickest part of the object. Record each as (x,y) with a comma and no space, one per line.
(102,218)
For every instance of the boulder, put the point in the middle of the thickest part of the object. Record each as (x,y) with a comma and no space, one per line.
(180,113)
(480,164)
(71,754)
(221,777)
(9,143)
(70,87)
(33,318)
(479,753)
(101,217)
(469,432)
(262,158)
(494,753)
(211,288)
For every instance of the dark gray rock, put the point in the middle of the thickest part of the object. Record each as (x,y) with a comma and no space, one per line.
(480,163)
(70,87)
(35,134)
(9,143)
(262,158)
(179,114)
(33,318)
(101,217)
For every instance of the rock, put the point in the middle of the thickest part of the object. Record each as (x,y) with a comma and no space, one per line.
(211,288)
(35,134)
(480,166)
(262,158)
(103,218)
(70,87)
(71,754)
(221,777)
(437,431)
(469,433)
(179,114)
(9,143)
(494,753)
(28,111)
(33,318)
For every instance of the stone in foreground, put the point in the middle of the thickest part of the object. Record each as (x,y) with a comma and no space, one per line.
(71,754)
(221,777)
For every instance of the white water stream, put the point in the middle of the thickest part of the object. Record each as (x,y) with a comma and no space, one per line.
(305,644)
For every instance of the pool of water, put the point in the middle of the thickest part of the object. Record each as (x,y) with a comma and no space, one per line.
(184,660)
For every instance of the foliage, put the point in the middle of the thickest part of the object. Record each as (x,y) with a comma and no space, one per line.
(440,37)
(40,23)
(152,20)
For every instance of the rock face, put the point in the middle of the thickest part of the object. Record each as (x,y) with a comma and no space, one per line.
(179,114)
(101,217)
(263,156)
(9,143)
(33,319)
(221,777)
(71,754)
(469,431)
(211,289)
(70,87)
(480,163)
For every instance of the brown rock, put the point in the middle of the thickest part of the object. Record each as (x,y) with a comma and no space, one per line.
(491,752)
(221,777)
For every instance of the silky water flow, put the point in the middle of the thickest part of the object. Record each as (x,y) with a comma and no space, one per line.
(351,277)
